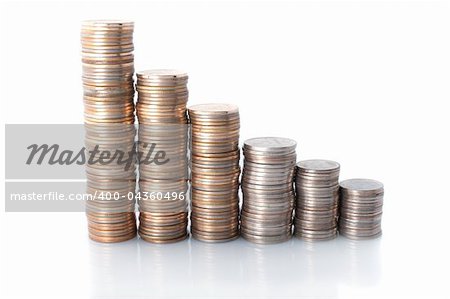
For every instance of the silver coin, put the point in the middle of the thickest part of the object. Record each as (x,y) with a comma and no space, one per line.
(270,144)
(361,208)
(267,187)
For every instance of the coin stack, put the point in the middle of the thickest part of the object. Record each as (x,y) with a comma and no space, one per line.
(108,91)
(317,189)
(163,184)
(361,208)
(267,187)
(108,67)
(215,172)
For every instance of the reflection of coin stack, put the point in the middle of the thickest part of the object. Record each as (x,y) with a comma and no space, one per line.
(215,172)
(267,186)
(107,59)
(361,208)
(317,188)
(161,111)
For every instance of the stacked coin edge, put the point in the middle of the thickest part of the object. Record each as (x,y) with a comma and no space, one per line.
(317,195)
(163,187)
(108,94)
(267,187)
(215,172)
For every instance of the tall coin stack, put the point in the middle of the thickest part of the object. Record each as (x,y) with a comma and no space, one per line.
(163,184)
(361,208)
(107,60)
(215,172)
(317,188)
(267,187)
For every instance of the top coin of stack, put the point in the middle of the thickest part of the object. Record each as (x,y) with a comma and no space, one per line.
(361,208)
(215,171)
(267,187)
(161,110)
(108,67)
(317,188)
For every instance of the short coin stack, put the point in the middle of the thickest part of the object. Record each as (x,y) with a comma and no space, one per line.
(215,172)
(317,188)
(163,184)
(267,187)
(361,208)
(107,59)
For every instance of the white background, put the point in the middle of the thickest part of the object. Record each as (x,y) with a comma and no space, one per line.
(365,83)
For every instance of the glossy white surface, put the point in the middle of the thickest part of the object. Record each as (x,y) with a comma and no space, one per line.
(52,256)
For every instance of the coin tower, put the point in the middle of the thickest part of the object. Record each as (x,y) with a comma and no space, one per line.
(108,92)
(161,111)
(317,190)
(267,187)
(215,172)
(361,208)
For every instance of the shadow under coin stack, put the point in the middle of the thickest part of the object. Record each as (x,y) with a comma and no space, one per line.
(163,184)
(108,91)
(267,187)
(215,172)
(361,205)
(317,188)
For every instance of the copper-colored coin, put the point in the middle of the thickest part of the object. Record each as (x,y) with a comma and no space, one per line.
(215,171)
(161,110)
(108,67)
